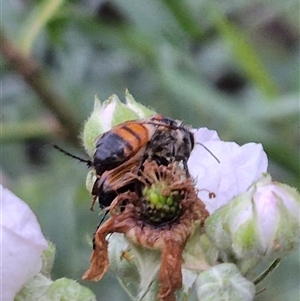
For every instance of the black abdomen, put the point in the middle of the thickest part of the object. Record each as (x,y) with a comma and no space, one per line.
(109,152)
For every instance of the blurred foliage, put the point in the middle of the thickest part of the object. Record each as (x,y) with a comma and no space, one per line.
(232,66)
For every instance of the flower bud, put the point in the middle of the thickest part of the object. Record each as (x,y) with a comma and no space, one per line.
(138,108)
(42,288)
(224,282)
(262,222)
(48,259)
(67,289)
(108,114)
(34,289)
(195,253)
(122,260)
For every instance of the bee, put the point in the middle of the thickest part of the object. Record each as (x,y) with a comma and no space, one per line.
(171,142)
(121,151)
(123,143)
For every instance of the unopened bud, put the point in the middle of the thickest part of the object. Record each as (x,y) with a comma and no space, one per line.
(224,282)
(262,222)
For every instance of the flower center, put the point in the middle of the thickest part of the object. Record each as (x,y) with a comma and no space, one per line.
(157,207)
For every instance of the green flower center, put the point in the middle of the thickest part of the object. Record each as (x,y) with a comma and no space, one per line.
(157,207)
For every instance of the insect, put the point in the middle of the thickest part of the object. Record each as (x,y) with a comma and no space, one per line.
(121,152)
(123,143)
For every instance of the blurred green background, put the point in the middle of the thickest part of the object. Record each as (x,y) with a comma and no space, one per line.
(232,66)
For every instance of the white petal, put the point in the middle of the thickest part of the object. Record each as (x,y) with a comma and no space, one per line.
(267,214)
(107,113)
(204,134)
(21,244)
(238,168)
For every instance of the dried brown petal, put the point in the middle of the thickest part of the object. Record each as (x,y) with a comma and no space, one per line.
(117,223)
(170,278)
(170,238)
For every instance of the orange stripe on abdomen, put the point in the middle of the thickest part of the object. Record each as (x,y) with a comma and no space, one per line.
(134,135)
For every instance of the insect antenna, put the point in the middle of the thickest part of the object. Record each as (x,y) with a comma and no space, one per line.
(172,127)
(209,151)
(88,162)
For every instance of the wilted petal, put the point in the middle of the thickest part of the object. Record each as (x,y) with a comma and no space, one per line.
(166,186)
(22,243)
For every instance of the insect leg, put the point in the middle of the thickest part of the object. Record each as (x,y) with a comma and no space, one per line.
(101,221)
(185,167)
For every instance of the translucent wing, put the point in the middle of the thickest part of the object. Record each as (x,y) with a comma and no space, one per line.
(114,179)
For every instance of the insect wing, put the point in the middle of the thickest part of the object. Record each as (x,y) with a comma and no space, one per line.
(119,177)
(121,144)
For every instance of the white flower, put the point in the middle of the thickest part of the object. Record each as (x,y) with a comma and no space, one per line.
(238,168)
(21,244)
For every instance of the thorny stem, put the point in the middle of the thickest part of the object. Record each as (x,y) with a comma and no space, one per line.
(34,76)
